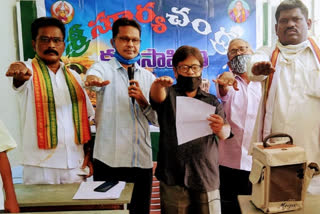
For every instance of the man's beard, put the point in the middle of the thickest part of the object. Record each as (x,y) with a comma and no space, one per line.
(238,64)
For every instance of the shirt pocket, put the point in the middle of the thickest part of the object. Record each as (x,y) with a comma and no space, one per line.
(312,88)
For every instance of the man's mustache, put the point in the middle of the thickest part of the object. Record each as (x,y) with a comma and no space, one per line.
(51,51)
(291,28)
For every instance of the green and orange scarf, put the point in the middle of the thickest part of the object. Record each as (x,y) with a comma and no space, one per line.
(47,133)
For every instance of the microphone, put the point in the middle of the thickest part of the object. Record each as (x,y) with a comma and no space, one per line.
(131,76)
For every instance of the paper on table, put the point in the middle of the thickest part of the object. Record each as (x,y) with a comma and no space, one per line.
(85,191)
(191,119)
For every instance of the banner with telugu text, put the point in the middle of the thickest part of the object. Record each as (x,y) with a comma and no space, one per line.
(166,25)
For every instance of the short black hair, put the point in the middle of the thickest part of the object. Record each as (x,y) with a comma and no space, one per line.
(184,52)
(124,22)
(45,22)
(291,4)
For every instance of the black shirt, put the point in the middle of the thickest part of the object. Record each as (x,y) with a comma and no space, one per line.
(194,164)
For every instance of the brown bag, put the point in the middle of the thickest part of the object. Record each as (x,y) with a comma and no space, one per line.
(280,174)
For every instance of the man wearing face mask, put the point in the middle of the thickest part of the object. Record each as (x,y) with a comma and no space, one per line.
(188,173)
(240,99)
(122,149)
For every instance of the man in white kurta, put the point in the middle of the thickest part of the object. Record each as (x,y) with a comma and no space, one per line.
(63,163)
(67,155)
(293,101)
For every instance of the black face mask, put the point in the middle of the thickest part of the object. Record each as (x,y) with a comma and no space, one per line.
(188,84)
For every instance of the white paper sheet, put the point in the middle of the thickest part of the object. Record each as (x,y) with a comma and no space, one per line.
(85,191)
(191,119)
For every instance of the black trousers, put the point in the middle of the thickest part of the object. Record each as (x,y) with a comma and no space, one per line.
(142,179)
(233,182)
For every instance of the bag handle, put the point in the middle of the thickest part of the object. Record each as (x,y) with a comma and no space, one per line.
(275,135)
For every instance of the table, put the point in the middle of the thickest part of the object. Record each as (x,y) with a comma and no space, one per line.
(85,212)
(311,205)
(58,197)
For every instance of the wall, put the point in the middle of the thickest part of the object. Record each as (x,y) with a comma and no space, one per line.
(9,53)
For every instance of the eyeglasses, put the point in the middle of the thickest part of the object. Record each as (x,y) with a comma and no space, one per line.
(185,68)
(127,40)
(46,40)
(240,50)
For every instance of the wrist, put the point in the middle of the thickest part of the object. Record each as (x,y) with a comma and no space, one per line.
(144,105)
(223,88)
(17,83)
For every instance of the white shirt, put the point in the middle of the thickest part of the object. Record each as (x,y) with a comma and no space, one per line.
(67,154)
(241,108)
(6,143)
(122,139)
(294,99)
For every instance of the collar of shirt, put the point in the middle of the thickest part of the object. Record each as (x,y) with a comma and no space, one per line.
(116,64)
(239,78)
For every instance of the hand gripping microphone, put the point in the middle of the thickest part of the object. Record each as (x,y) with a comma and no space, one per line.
(131,76)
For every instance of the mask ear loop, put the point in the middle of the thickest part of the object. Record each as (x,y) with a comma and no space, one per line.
(113,44)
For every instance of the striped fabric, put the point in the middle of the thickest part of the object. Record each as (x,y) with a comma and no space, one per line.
(155,207)
(273,60)
(46,111)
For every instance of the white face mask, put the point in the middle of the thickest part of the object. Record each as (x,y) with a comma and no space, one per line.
(238,64)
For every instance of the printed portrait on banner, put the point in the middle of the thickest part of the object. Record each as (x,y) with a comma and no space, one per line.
(239,11)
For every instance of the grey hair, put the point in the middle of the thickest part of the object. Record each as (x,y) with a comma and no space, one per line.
(239,39)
